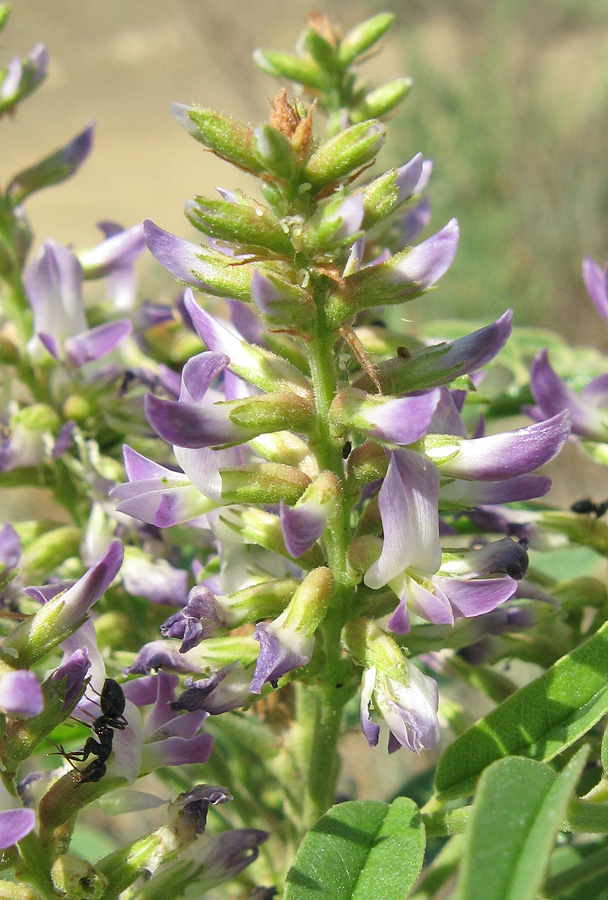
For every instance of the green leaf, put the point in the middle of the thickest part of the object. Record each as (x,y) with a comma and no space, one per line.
(358,850)
(518,809)
(538,721)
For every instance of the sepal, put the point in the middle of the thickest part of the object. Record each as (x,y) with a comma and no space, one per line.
(344,155)
(363,36)
(247,224)
(227,138)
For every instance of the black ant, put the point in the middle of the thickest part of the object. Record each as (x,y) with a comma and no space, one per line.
(112,705)
(586,506)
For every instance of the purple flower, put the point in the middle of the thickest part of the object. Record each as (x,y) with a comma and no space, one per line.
(115,258)
(201,617)
(408,706)
(21,694)
(282,649)
(54,287)
(163,497)
(15,824)
(496,457)
(72,672)
(411,553)
(22,77)
(589,409)
(596,282)
(226,689)
(65,612)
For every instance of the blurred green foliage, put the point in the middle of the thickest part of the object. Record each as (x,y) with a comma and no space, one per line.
(510,100)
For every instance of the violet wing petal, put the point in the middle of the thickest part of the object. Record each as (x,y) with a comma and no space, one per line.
(96,342)
(370,729)
(468,494)
(553,395)
(502,456)
(180,257)
(403,420)
(408,176)
(474,597)
(10,548)
(21,694)
(176,751)
(192,425)
(427,262)
(301,526)
(15,824)
(199,372)
(281,650)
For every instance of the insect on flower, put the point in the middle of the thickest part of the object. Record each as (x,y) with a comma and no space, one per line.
(112,705)
(586,506)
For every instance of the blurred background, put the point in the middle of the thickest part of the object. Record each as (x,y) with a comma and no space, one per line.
(510,100)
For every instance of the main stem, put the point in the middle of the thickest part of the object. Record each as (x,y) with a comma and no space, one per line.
(321,713)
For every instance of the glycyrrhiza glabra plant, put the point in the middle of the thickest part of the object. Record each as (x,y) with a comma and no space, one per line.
(326,531)
(315,449)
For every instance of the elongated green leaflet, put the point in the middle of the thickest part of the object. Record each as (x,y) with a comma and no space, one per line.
(518,809)
(359,850)
(538,722)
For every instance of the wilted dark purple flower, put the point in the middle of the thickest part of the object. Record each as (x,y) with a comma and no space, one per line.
(200,618)
(226,689)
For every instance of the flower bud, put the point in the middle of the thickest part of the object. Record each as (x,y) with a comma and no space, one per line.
(305,522)
(288,642)
(227,138)
(383,100)
(367,462)
(263,483)
(363,36)
(403,277)
(335,225)
(281,303)
(276,152)
(300,69)
(344,154)
(384,194)
(20,77)
(53,169)
(249,225)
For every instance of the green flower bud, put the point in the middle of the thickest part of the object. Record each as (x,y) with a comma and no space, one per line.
(276,152)
(263,483)
(300,69)
(344,154)
(77,879)
(336,224)
(363,553)
(383,100)
(323,53)
(287,448)
(363,36)
(49,550)
(366,463)
(227,138)
(4,14)
(250,225)
(309,604)
(271,412)
(372,647)
(256,526)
